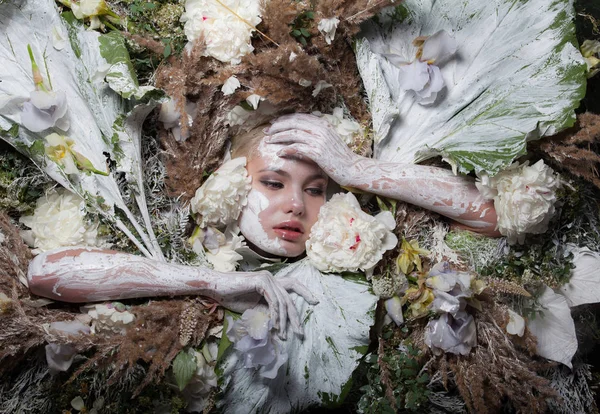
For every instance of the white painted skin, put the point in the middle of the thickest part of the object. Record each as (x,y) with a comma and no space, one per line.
(309,137)
(252,228)
(80,274)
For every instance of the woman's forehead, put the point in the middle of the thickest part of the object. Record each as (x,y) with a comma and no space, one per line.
(285,166)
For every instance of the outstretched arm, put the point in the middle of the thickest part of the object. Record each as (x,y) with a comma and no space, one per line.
(86,275)
(436,189)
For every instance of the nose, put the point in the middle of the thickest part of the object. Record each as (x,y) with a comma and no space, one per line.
(296,206)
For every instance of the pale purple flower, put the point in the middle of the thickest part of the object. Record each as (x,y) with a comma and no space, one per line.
(455,334)
(252,336)
(423,75)
(45,110)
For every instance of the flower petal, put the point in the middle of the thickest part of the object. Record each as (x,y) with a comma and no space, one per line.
(439,47)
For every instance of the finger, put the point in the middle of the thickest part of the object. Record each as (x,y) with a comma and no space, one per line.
(299,289)
(283,313)
(265,290)
(298,151)
(290,137)
(294,317)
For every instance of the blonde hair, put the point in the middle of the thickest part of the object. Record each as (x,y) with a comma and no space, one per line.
(246,144)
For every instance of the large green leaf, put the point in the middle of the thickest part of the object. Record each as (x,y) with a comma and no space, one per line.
(517,75)
(102,123)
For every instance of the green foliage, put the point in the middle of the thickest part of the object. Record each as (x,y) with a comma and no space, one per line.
(184,367)
(409,387)
(301,25)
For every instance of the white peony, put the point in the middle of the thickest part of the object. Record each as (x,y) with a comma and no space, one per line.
(328,28)
(345,238)
(524,198)
(58,221)
(227,37)
(109,318)
(223,195)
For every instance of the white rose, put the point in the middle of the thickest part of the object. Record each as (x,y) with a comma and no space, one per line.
(222,197)
(328,28)
(347,239)
(524,198)
(59,220)
(227,37)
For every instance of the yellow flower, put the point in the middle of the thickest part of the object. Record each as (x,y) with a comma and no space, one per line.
(59,150)
(409,256)
(420,298)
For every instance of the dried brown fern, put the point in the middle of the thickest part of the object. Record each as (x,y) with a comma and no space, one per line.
(576,150)
(497,370)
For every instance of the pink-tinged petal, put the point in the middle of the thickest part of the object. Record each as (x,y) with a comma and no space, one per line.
(414,76)
(439,47)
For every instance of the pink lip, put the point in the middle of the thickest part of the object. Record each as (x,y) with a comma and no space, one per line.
(289,230)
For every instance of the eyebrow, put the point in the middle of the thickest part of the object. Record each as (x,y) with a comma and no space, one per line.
(288,175)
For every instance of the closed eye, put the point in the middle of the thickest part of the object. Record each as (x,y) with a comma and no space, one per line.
(315,191)
(274,185)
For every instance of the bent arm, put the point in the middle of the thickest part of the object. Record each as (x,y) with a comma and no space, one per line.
(436,189)
(308,137)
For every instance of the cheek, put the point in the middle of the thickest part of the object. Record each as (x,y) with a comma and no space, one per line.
(312,210)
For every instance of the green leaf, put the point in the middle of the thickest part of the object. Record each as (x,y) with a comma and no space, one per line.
(296,33)
(310,15)
(498,95)
(184,367)
(305,32)
(167,51)
(225,343)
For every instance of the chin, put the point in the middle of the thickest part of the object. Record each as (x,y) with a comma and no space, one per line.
(293,249)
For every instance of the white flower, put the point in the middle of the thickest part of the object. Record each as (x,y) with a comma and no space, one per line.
(59,220)
(222,197)
(203,381)
(225,258)
(109,318)
(89,8)
(253,100)
(59,149)
(253,337)
(328,28)
(524,198)
(230,85)
(345,238)
(346,128)
(516,324)
(227,37)
(590,49)
(171,118)
(393,307)
(304,82)
(45,110)
(423,75)
(320,86)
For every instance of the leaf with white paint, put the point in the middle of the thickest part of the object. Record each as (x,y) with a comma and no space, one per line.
(101,121)
(516,75)
(554,328)
(584,285)
(336,336)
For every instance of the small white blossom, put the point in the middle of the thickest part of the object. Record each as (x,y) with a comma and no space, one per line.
(393,307)
(222,197)
(171,118)
(320,86)
(225,258)
(345,238)
(346,128)
(230,85)
(111,318)
(293,56)
(58,221)
(252,336)
(516,324)
(45,110)
(227,37)
(253,100)
(328,28)
(59,149)
(524,198)
(304,82)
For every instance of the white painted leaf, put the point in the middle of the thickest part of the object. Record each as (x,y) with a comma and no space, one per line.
(336,335)
(584,285)
(516,75)
(554,329)
(99,117)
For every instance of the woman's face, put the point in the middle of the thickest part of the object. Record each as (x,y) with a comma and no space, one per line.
(283,204)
